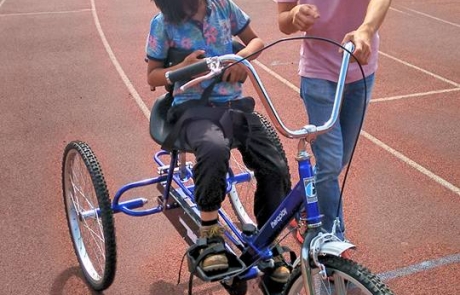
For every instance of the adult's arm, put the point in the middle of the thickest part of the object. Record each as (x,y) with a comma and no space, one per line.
(362,36)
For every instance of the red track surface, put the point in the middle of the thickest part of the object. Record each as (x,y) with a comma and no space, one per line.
(59,84)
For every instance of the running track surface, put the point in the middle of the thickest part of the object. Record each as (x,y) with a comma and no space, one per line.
(75,70)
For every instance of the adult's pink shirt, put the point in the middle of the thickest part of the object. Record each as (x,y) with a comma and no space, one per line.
(337,18)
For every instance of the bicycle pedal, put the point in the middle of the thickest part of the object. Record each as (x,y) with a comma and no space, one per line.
(195,255)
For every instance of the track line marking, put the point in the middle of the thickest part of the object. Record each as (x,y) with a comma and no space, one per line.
(434,17)
(457,85)
(137,98)
(384,99)
(424,14)
(420,267)
(412,163)
(44,12)
(374,100)
(420,69)
(277,76)
(400,11)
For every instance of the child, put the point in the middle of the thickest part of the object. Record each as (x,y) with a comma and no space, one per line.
(206,28)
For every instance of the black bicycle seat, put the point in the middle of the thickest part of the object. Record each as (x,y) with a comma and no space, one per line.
(159,126)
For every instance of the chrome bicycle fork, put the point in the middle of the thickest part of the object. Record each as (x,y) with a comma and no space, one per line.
(316,241)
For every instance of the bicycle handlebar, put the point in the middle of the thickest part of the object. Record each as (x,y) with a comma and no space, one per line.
(215,66)
(188,72)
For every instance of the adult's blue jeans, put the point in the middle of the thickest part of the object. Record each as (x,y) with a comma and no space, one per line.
(333,150)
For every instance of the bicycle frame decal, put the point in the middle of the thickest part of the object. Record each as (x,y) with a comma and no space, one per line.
(310,190)
(278,218)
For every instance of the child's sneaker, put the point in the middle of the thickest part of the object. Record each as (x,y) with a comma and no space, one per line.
(213,262)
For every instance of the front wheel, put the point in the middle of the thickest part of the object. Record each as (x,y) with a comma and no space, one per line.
(343,277)
(89,214)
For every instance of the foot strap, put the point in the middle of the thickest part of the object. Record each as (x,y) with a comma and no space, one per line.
(194,257)
(203,245)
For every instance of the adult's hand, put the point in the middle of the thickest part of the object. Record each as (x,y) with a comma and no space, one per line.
(361,38)
(304,16)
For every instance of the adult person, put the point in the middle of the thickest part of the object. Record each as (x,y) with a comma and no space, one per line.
(357,21)
(206,28)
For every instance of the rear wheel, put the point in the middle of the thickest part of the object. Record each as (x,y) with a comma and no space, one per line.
(344,277)
(89,215)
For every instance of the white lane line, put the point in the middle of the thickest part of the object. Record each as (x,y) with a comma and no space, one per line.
(274,74)
(400,11)
(420,69)
(137,98)
(425,14)
(44,12)
(434,17)
(384,99)
(420,267)
(412,163)
(296,89)
(374,100)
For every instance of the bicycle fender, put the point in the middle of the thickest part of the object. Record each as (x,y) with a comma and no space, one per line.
(335,248)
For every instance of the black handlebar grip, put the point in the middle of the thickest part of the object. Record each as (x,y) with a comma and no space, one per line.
(186,73)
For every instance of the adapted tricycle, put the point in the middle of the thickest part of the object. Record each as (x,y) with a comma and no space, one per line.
(319,269)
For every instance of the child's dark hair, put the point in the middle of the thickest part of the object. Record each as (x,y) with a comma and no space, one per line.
(177,11)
